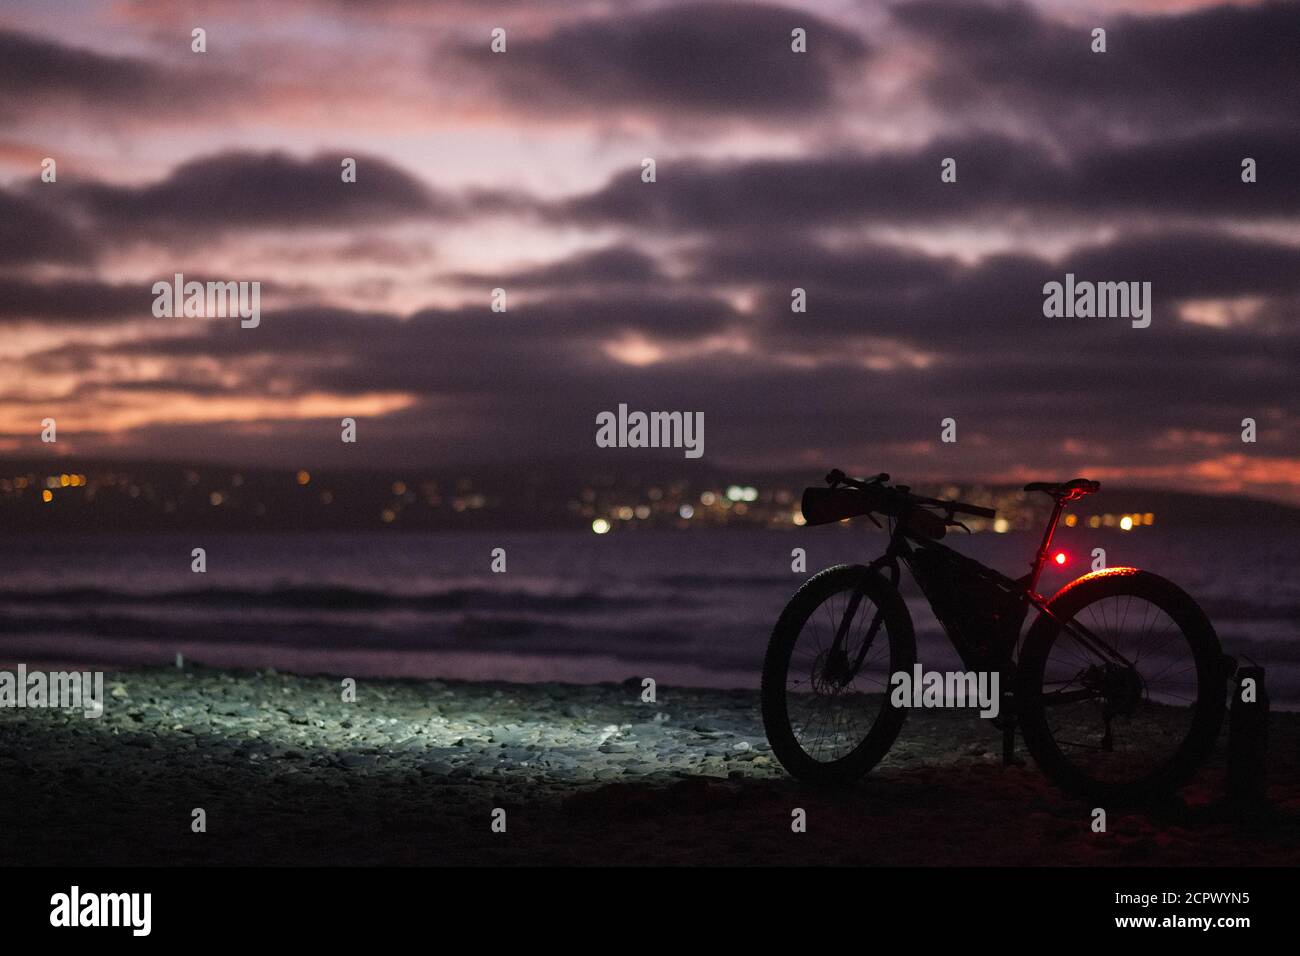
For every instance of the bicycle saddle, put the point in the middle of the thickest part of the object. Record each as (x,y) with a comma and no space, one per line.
(1066,489)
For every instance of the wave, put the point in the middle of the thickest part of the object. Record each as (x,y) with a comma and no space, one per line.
(1236,609)
(327,597)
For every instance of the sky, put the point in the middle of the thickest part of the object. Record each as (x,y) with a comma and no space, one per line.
(775,170)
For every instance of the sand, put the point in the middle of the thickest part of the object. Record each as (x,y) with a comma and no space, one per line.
(416,772)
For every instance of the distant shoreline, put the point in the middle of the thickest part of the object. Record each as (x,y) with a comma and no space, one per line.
(73,494)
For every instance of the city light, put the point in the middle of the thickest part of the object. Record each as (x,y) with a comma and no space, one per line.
(600,526)
(741,493)
(417,503)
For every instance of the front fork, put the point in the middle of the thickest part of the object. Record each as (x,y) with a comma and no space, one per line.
(836,651)
(1008,715)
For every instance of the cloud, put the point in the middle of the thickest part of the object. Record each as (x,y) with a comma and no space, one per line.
(70,300)
(813,170)
(996,176)
(893,341)
(616,265)
(992,310)
(39,72)
(1223,64)
(31,233)
(701,59)
(245,190)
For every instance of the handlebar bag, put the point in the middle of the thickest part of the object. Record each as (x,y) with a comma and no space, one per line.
(824,505)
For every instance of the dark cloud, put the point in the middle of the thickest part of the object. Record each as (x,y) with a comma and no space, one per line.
(996,176)
(1139,150)
(1224,64)
(241,190)
(1193,175)
(703,58)
(31,232)
(71,300)
(1195,265)
(33,66)
(831,382)
(994,307)
(798,192)
(88,300)
(618,265)
(797,260)
(36,71)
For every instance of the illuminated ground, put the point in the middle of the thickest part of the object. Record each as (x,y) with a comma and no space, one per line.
(412,771)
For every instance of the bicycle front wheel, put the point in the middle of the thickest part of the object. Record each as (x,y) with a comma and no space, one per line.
(826,706)
(1128,705)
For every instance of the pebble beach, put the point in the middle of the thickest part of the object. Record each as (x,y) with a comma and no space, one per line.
(285,771)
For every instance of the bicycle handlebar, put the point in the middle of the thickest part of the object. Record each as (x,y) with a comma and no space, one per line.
(904,496)
(956,507)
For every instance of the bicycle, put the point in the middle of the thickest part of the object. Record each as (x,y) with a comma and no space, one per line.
(1118,686)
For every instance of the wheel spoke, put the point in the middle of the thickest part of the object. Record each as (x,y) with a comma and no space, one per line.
(831,710)
(1137,708)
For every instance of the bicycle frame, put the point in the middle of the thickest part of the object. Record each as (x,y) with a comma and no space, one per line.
(1023,589)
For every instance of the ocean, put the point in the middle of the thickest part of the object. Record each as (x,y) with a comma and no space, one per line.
(694,607)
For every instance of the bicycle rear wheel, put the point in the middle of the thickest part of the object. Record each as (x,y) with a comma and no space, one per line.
(826,705)
(1133,708)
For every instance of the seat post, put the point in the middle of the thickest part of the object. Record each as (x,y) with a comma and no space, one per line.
(1041,558)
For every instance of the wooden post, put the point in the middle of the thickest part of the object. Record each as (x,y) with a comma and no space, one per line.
(1248,737)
